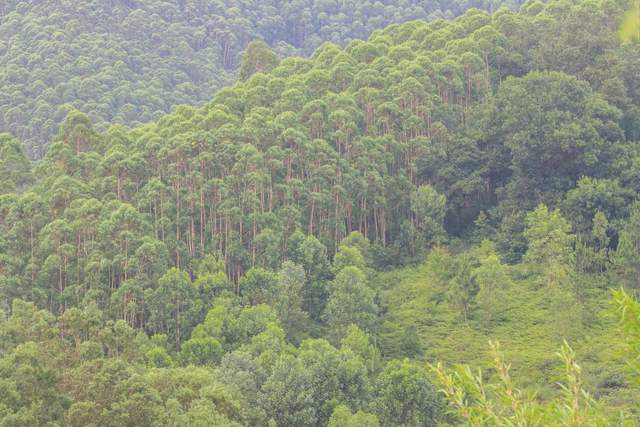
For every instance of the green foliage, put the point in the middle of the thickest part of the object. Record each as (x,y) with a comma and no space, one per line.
(231,263)
(493,280)
(428,208)
(530,317)
(351,302)
(15,169)
(481,404)
(201,351)
(257,58)
(173,305)
(400,146)
(630,25)
(628,310)
(550,244)
(592,196)
(625,259)
(348,256)
(343,417)
(358,342)
(287,394)
(287,299)
(463,287)
(405,397)
(131,62)
(556,130)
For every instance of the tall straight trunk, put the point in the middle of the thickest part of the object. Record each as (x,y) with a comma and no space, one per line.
(311,216)
(126,257)
(178,325)
(177,187)
(31,243)
(335,236)
(203,220)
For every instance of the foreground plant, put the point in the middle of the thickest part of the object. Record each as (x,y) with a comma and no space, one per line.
(476,403)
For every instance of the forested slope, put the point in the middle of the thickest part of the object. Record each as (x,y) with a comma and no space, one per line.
(225,264)
(129,62)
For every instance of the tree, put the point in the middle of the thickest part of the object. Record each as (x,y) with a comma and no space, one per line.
(287,395)
(593,250)
(343,417)
(592,196)
(555,130)
(173,306)
(625,259)
(15,169)
(258,285)
(232,325)
(287,299)
(211,285)
(348,256)
(257,58)
(312,256)
(30,393)
(335,376)
(77,132)
(159,357)
(357,341)
(628,309)
(405,397)
(463,286)
(428,208)
(351,301)
(550,244)
(551,255)
(205,351)
(493,281)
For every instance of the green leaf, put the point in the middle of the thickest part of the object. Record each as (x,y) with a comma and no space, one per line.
(630,27)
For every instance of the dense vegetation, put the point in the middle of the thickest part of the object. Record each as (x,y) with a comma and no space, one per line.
(297,251)
(131,61)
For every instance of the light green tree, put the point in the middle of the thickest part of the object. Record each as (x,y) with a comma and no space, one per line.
(351,302)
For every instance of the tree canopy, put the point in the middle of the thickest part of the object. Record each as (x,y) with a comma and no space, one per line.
(131,61)
(305,247)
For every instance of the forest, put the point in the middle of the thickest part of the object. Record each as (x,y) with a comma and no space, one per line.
(130,61)
(395,214)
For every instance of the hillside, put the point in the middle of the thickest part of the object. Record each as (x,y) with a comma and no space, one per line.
(425,318)
(307,247)
(130,62)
